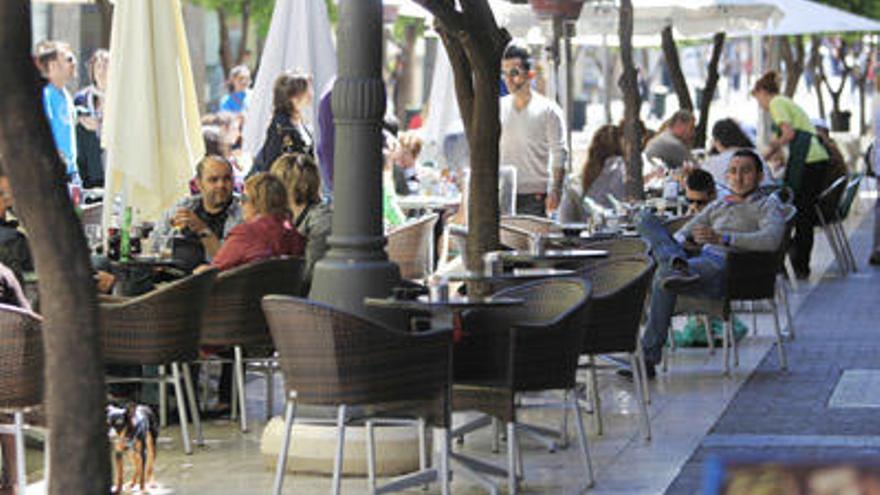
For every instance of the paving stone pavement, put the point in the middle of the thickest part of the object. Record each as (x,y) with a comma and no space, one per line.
(786,415)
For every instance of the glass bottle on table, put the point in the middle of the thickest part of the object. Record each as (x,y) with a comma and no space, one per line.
(125,236)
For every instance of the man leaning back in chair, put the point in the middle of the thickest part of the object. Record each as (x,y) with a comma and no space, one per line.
(747,219)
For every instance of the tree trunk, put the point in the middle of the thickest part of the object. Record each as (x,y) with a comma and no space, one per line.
(794,64)
(406,80)
(835,93)
(245,29)
(74,393)
(817,72)
(225,48)
(673,64)
(632,103)
(709,91)
(475,44)
(105,8)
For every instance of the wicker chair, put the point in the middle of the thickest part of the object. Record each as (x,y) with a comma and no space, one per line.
(160,328)
(749,276)
(411,246)
(528,348)
(361,370)
(233,316)
(619,290)
(21,375)
(531,224)
(832,208)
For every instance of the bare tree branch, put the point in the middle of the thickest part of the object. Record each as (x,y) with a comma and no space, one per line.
(709,91)
(673,64)
(444,11)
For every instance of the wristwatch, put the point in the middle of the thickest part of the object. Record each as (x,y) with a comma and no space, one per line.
(725,239)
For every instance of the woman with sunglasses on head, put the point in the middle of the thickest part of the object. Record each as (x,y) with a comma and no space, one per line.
(266,232)
(312,217)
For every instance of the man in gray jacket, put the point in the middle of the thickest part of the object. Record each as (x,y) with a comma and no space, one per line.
(744,220)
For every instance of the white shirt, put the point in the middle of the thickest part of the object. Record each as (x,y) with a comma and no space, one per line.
(533,141)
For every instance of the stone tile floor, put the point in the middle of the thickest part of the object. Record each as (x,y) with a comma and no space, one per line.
(686,403)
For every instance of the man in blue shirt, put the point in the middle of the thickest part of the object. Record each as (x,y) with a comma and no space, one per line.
(59,67)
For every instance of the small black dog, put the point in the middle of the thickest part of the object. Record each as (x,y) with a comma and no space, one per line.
(134,428)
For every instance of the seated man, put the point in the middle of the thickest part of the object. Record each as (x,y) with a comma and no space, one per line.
(205,219)
(699,190)
(672,146)
(745,220)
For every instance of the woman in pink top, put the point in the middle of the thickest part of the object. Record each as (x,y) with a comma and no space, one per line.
(266,232)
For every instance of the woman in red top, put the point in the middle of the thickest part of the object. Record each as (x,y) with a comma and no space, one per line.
(266,232)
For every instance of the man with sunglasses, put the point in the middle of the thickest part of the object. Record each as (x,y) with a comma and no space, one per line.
(58,65)
(746,219)
(532,137)
(699,190)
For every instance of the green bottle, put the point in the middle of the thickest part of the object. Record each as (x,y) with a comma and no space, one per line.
(125,236)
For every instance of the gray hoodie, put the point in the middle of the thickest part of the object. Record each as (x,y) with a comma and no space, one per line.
(756,224)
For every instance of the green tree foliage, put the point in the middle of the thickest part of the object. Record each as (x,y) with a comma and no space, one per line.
(867,8)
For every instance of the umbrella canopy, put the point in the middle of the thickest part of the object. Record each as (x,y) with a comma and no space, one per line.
(299,38)
(806,17)
(693,18)
(151,127)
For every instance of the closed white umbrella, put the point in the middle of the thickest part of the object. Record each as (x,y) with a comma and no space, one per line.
(151,131)
(299,38)
(806,17)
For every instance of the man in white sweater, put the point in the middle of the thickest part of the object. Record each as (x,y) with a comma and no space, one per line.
(532,137)
(745,220)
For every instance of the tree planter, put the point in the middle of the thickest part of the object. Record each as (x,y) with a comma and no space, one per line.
(840,120)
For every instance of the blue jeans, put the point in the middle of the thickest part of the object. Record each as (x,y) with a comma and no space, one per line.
(708,266)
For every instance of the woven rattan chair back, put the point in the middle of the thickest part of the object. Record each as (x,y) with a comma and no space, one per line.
(233,315)
(331,357)
(619,290)
(546,331)
(159,327)
(621,248)
(515,237)
(21,358)
(531,224)
(411,246)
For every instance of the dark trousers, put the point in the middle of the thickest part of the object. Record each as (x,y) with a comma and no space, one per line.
(805,200)
(531,204)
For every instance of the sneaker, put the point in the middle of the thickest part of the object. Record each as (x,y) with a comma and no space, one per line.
(650,370)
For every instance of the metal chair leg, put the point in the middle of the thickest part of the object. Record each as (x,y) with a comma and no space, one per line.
(191,397)
(340,445)
(725,343)
(847,248)
(512,447)
(710,338)
(444,474)
(238,365)
(783,362)
(423,452)
(582,440)
(496,435)
(640,355)
(281,465)
(594,390)
(783,296)
(270,389)
(563,426)
(181,408)
(637,388)
(20,471)
(163,396)
(733,342)
(371,457)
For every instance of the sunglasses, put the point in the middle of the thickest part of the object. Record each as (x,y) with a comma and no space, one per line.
(698,202)
(513,73)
